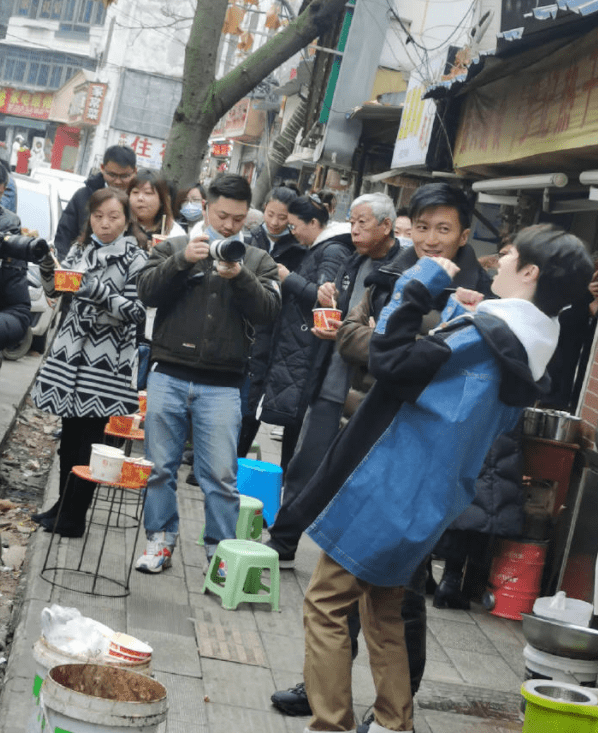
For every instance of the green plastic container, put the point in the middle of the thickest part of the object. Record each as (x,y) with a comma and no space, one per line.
(559,707)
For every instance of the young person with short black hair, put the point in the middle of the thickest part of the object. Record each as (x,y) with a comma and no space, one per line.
(408,459)
(206,311)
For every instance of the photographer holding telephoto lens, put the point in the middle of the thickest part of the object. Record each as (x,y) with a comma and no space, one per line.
(210,291)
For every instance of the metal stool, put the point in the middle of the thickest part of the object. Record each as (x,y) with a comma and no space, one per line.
(122,586)
(235,574)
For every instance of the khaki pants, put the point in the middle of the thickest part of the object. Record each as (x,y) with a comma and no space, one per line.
(327,673)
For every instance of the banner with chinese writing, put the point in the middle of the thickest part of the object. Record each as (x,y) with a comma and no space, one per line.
(413,138)
(552,106)
(94,102)
(149,150)
(20,103)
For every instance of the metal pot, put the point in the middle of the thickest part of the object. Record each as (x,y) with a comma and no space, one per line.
(533,421)
(560,638)
(561,426)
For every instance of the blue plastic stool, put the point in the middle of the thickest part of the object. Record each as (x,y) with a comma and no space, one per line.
(263,481)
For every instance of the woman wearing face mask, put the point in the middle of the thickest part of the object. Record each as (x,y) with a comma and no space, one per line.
(90,372)
(273,236)
(188,206)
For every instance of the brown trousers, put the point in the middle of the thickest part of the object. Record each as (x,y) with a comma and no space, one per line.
(329,599)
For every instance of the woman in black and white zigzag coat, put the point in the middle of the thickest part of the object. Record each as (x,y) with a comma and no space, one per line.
(90,372)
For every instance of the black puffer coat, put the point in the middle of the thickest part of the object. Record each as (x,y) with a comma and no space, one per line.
(288,252)
(14,294)
(498,505)
(295,348)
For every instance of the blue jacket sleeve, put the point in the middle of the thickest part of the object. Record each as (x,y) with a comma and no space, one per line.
(404,362)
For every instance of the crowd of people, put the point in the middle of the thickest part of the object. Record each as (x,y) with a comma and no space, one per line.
(388,413)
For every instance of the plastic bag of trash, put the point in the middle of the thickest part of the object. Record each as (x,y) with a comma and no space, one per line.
(69,631)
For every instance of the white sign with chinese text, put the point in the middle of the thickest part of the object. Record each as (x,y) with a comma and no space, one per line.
(413,138)
(149,150)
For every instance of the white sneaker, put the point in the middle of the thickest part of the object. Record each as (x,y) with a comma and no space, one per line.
(277,432)
(157,555)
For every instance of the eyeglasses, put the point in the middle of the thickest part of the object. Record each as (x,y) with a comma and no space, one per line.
(193,201)
(119,176)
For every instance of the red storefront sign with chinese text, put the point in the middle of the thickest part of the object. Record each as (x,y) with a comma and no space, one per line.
(21,103)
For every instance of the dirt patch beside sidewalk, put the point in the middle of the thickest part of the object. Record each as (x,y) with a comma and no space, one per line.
(25,463)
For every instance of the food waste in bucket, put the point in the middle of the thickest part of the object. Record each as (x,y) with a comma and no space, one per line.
(92,698)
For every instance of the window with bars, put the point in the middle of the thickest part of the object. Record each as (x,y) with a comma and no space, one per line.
(39,69)
(75,16)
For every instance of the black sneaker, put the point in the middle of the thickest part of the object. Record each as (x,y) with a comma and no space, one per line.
(286,560)
(293,701)
(191,480)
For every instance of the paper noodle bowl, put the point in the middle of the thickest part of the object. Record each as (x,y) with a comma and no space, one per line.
(67,281)
(136,471)
(322,316)
(121,423)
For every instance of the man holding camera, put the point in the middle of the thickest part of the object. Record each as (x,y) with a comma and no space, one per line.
(206,309)
(14,294)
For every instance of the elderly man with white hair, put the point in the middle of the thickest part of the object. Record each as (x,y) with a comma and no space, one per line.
(372,219)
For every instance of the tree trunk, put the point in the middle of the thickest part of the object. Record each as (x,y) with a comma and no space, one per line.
(205,100)
(280,149)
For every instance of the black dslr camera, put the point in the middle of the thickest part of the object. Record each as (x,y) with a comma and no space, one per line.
(21,247)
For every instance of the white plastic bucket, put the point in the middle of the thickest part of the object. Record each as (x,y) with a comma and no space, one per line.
(89,698)
(540,665)
(106,462)
(561,608)
(47,656)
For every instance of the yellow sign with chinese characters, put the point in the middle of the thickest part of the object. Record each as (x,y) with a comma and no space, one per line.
(551,107)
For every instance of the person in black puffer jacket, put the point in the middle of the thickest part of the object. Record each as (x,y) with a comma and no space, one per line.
(116,171)
(272,236)
(15,303)
(294,350)
(496,511)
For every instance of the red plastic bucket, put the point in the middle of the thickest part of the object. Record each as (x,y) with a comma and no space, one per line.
(515,577)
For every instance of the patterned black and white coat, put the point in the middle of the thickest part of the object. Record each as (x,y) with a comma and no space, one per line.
(91,370)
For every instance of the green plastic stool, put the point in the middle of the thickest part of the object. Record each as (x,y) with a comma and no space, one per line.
(250,522)
(255,448)
(235,574)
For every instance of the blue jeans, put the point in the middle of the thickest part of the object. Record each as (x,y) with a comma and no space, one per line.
(215,416)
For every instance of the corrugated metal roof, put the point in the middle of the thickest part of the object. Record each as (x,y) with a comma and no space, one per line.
(553,12)
(515,34)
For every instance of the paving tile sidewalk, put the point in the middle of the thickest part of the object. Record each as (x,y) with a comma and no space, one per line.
(474,670)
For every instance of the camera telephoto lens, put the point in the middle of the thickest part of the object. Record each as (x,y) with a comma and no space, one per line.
(228,250)
(20,247)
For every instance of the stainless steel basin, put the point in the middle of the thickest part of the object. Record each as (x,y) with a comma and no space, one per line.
(560,638)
